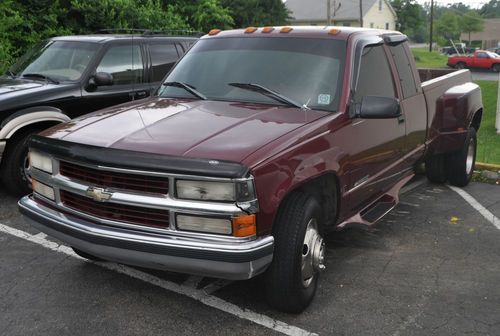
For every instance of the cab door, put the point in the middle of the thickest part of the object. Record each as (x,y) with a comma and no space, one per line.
(124,61)
(375,146)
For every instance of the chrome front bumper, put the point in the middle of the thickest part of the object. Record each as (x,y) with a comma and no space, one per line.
(228,260)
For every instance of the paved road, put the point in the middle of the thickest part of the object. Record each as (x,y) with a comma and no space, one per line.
(430,268)
(478,74)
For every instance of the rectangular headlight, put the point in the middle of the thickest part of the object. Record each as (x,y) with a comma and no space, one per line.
(41,161)
(204,224)
(43,190)
(206,190)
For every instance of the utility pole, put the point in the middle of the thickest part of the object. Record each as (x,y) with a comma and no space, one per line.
(432,19)
(328,12)
(361,13)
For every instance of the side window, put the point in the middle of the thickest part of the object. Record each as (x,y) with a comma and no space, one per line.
(124,62)
(482,55)
(163,57)
(375,78)
(405,70)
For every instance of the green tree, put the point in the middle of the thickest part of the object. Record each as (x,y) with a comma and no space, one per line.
(447,27)
(490,9)
(410,19)
(203,15)
(471,22)
(257,12)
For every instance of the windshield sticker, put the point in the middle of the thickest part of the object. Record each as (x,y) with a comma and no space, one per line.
(324,99)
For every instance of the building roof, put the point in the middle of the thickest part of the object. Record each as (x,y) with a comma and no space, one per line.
(315,10)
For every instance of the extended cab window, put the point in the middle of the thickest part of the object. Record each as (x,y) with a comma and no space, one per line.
(163,57)
(375,77)
(306,71)
(124,63)
(405,70)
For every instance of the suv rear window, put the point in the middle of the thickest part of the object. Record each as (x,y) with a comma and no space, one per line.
(163,57)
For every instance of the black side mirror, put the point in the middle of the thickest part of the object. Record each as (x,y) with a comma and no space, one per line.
(373,107)
(102,79)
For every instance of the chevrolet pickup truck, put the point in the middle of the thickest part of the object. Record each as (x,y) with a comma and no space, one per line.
(258,143)
(481,59)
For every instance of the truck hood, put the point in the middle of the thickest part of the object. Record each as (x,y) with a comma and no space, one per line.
(8,85)
(199,129)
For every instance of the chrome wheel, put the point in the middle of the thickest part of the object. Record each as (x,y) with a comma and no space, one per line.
(471,153)
(26,169)
(313,253)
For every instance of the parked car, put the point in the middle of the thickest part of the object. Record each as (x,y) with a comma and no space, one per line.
(65,77)
(458,49)
(258,142)
(481,59)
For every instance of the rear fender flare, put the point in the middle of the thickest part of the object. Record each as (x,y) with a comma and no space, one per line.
(30,116)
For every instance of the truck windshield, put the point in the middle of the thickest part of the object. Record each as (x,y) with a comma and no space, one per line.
(301,70)
(55,61)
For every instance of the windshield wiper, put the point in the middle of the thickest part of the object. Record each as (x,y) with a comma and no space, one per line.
(186,87)
(269,93)
(36,75)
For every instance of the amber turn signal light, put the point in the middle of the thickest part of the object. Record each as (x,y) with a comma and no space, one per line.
(267,29)
(244,226)
(286,29)
(250,30)
(214,32)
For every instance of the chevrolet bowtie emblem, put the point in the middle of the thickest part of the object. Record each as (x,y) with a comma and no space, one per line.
(98,194)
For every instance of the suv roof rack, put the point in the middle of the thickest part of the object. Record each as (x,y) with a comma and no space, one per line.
(150,32)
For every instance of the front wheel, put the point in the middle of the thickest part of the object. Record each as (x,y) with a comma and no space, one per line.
(460,165)
(15,164)
(496,67)
(299,249)
(460,65)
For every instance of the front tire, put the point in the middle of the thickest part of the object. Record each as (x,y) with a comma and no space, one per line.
(460,65)
(14,170)
(460,165)
(292,277)
(496,67)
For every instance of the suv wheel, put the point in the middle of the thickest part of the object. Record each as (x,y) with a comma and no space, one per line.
(15,175)
(292,277)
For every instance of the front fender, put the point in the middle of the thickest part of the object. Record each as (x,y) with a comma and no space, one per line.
(30,116)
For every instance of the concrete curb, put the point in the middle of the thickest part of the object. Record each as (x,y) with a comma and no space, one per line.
(487,166)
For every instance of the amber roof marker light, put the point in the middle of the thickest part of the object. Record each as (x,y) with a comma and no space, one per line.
(286,30)
(214,32)
(267,30)
(250,30)
(334,31)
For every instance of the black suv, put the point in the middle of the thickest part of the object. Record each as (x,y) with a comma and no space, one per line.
(65,77)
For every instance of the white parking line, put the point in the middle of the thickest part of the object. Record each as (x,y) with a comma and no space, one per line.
(196,294)
(490,217)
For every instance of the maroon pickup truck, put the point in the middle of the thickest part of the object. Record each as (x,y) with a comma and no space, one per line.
(258,143)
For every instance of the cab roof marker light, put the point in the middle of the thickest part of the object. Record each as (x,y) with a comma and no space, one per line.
(267,29)
(250,30)
(334,31)
(286,30)
(214,32)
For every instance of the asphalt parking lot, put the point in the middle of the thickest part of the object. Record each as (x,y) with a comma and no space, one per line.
(431,267)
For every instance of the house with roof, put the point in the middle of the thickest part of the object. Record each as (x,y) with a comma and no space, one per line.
(375,13)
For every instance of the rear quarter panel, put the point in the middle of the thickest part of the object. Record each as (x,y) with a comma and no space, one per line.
(452,101)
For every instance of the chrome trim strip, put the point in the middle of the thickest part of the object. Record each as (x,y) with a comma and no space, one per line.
(203,244)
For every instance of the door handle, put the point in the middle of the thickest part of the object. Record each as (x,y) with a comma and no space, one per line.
(401,119)
(141,94)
